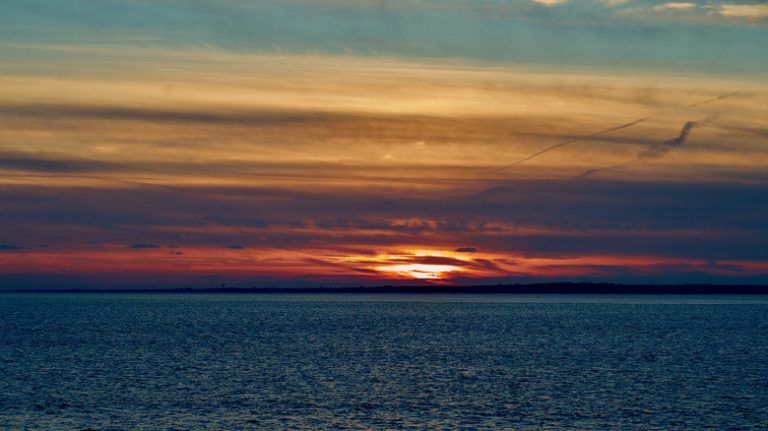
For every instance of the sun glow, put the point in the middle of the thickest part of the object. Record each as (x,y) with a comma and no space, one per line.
(421,271)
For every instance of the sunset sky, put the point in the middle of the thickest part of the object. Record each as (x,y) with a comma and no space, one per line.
(173,143)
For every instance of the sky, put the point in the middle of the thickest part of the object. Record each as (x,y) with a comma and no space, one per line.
(298,143)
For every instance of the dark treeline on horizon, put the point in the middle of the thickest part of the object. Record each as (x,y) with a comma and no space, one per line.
(543,288)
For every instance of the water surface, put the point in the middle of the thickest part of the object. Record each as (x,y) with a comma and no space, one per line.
(335,361)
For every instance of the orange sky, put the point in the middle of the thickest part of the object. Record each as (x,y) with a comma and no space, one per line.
(209,167)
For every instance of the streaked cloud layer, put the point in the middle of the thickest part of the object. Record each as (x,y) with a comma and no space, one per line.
(162,147)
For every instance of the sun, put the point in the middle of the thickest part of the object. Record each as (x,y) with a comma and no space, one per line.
(414,264)
(421,271)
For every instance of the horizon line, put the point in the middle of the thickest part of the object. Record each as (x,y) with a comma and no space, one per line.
(516,288)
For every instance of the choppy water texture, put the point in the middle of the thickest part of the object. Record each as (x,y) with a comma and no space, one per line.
(210,362)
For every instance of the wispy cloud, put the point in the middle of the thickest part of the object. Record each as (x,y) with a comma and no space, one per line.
(550,2)
(676,6)
(699,14)
(704,11)
(466,250)
(140,246)
(750,11)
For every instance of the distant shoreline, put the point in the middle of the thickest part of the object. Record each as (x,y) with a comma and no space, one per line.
(544,288)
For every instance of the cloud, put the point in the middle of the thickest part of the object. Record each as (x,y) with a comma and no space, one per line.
(708,219)
(19,161)
(235,247)
(432,260)
(139,246)
(466,250)
(749,11)
(251,117)
(9,247)
(273,131)
(675,6)
(711,11)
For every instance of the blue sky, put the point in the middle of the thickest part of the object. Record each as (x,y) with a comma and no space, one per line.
(697,36)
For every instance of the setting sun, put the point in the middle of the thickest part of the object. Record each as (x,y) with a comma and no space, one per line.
(421,271)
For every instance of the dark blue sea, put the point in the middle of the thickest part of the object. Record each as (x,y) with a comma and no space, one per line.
(382,362)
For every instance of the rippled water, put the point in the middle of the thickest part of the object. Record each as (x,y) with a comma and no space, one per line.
(210,362)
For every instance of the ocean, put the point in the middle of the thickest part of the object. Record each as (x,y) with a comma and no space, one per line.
(382,362)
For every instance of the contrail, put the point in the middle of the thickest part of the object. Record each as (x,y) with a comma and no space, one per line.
(591,171)
(659,150)
(715,99)
(596,170)
(612,129)
(570,141)
(655,151)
